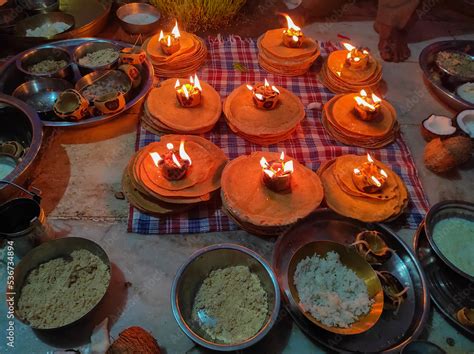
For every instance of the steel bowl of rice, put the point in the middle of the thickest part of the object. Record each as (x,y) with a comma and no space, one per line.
(449,228)
(335,288)
(45,62)
(225,297)
(96,54)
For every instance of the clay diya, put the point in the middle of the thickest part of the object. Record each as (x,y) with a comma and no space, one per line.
(182,106)
(364,198)
(132,56)
(170,42)
(109,103)
(266,192)
(287,51)
(133,73)
(361,120)
(71,105)
(262,113)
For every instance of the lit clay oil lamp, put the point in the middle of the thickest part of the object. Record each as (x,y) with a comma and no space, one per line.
(276,174)
(367,108)
(357,58)
(292,36)
(394,292)
(368,178)
(264,96)
(370,245)
(174,164)
(170,42)
(466,316)
(189,94)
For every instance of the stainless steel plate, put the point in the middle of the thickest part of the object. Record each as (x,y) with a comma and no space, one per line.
(444,87)
(11,78)
(391,332)
(449,291)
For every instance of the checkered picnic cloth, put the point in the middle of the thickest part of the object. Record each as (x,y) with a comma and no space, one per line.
(310,144)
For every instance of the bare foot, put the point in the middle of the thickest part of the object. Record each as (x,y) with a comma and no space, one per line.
(392,43)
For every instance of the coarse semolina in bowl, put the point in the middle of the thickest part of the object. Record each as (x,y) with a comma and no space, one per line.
(225,297)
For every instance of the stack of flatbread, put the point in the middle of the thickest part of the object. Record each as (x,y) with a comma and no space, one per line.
(259,210)
(343,124)
(163,113)
(146,188)
(185,62)
(342,195)
(277,58)
(261,126)
(341,78)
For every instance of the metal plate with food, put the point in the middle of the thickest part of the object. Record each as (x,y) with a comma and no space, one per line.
(448,69)
(450,292)
(405,299)
(104,86)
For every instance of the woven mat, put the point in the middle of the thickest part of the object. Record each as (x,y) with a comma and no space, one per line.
(310,144)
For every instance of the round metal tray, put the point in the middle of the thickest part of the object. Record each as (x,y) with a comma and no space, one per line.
(11,77)
(427,64)
(449,291)
(391,333)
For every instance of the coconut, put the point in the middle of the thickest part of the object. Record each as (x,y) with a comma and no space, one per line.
(437,127)
(465,121)
(466,92)
(437,158)
(134,340)
(460,148)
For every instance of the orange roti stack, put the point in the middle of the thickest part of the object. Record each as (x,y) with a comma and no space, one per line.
(260,126)
(342,195)
(259,210)
(340,78)
(146,188)
(163,113)
(342,123)
(185,62)
(276,58)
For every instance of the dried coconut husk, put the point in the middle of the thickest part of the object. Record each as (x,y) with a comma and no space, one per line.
(336,63)
(438,158)
(250,201)
(241,112)
(460,147)
(272,41)
(134,340)
(162,105)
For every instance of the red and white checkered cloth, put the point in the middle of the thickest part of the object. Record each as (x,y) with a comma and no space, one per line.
(310,144)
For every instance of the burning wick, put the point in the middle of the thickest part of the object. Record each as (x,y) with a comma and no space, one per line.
(174,164)
(264,96)
(189,94)
(277,174)
(292,36)
(368,177)
(367,108)
(170,42)
(357,58)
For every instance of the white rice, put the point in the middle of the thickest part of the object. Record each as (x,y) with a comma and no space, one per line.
(331,292)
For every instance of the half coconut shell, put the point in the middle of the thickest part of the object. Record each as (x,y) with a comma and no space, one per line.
(437,127)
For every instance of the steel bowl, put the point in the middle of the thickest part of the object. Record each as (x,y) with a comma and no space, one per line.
(41,94)
(93,46)
(42,19)
(96,76)
(50,250)
(137,8)
(190,276)
(38,6)
(444,210)
(36,55)
(21,124)
(422,347)
(352,260)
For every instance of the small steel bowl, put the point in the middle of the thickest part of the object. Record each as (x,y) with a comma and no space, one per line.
(38,6)
(422,347)
(190,276)
(445,210)
(47,251)
(36,55)
(41,93)
(351,259)
(42,19)
(138,8)
(96,77)
(93,46)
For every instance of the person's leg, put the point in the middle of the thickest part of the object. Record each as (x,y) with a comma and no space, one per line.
(392,18)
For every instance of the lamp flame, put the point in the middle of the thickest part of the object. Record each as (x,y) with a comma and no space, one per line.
(185,90)
(175,30)
(175,160)
(369,158)
(288,167)
(291,24)
(376,98)
(177,84)
(376,181)
(282,156)
(168,43)
(295,38)
(356,171)
(170,146)
(196,82)
(266,83)
(348,46)
(275,89)
(156,158)
(250,88)
(259,96)
(264,163)
(183,154)
(383,173)
(161,35)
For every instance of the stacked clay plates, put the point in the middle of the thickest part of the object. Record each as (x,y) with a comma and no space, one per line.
(186,61)
(146,188)
(259,210)
(343,124)
(279,59)
(163,113)
(340,78)
(345,198)
(261,126)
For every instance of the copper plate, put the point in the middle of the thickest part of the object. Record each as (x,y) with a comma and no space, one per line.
(391,333)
